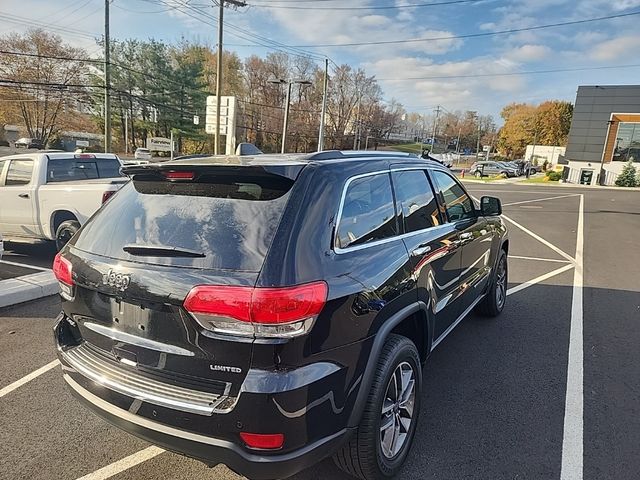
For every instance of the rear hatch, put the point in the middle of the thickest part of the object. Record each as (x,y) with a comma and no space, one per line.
(169,229)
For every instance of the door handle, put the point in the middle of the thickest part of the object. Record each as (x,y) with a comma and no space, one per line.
(23,195)
(420,250)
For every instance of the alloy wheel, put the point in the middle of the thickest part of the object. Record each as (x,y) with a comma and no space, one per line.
(501,283)
(397,410)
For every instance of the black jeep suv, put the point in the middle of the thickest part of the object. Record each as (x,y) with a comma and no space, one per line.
(266,312)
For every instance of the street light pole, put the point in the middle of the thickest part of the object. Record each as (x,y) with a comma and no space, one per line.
(216,138)
(107,81)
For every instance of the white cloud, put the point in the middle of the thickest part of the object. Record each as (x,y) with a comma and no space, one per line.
(617,48)
(528,53)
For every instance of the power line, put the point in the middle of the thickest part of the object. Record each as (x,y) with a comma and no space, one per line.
(372,7)
(531,72)
(471,35)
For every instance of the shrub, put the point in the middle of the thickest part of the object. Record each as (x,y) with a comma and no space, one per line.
(553,176)
(627,177)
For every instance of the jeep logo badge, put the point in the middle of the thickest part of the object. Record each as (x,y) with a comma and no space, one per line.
(119,281)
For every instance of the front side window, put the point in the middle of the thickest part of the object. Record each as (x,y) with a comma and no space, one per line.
(368,213)
(19,172)
(416,198)
(457,203)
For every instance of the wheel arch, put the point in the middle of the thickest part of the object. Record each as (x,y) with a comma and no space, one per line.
(411,321)
(59,216)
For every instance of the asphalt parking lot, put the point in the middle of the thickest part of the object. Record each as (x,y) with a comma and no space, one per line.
(548,390)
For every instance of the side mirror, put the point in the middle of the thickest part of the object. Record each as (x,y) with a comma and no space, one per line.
(490,206)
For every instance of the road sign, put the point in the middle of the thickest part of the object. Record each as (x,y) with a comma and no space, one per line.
(227,119)
(82,143)
(196,120)
(159,144)
(486,148)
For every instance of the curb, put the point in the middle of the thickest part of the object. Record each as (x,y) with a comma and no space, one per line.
(27,288)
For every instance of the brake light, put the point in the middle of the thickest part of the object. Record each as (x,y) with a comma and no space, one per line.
(178,175)
(107,195)
(263,312)
(270,441)
(63,270)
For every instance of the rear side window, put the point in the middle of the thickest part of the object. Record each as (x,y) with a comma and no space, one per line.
(368,212)
(19,172)
(229,219)
(416,198)
(69,169)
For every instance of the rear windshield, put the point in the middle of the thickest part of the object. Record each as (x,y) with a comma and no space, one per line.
(68,169)
(229,220)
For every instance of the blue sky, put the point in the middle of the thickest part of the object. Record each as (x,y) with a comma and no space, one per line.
(465,64)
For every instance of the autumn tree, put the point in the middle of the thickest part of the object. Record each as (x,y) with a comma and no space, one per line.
(46,76)
(525,124)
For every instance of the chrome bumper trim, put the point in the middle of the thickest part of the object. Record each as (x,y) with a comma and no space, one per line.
(127,381)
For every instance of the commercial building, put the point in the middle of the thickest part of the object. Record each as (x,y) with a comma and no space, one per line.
(604,135)
(538,154)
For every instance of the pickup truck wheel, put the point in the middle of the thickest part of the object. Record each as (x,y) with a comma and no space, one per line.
(496,297)
(478,174)
(65,231)
(379,446)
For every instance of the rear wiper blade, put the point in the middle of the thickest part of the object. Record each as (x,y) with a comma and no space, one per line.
(161,251)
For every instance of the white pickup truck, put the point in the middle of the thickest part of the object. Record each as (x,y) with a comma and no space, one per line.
(49,195)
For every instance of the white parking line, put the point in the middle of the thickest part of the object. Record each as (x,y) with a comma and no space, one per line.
(541,278)
(573,435)
(27,378)
(538,259)
(540,239)
(34,267)
(540,199)
(124,464)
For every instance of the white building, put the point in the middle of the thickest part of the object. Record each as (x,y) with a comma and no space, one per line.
(544,152)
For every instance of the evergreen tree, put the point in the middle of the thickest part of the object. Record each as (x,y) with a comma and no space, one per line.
(627,177)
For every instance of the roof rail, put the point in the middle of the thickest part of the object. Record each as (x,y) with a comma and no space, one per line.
(337,154)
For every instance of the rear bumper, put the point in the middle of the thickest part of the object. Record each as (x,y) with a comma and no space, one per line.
(208,449)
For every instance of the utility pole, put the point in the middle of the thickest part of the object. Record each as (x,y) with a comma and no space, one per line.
(107,82)
(435,128)
(324,105)
(236,3)
(126,132)
(285,124)
(478,140)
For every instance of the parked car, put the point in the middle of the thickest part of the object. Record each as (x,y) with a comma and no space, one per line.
(142,154)
(265,312)
(47,196)
(486,168)
(29,143)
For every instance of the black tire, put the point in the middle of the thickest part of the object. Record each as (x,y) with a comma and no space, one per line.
(494,301)
(65,231)
(363,456)
(478,174)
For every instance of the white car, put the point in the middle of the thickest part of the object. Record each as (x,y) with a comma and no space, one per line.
(142,154)
(48,196)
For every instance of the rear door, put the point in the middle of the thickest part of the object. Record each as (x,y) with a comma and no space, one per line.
(474,238)
(432,245)
(17,198)
(143,252)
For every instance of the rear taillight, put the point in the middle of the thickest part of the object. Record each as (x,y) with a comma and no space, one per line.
(107,195)
(63,272)
(263,441)
(263,312)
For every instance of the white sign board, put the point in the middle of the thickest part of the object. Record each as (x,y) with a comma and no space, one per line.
(486,148)
(159,144)
(82,143)
(227,120)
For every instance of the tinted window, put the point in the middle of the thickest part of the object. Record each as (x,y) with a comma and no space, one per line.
(67,169)
(19,172)
(416,198)
(368,213)
(231,219)
(457,203)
